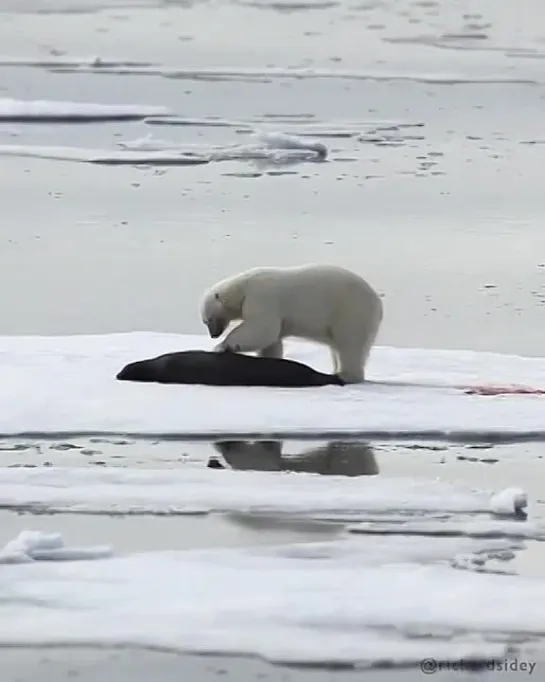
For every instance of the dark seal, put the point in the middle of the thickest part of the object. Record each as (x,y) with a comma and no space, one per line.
(225,369)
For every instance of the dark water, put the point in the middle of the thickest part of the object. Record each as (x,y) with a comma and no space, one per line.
(347,456)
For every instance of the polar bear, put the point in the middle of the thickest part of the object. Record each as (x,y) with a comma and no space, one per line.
(322,303)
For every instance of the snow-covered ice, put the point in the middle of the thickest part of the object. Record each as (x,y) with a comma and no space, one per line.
(534,530)
(323,604)
(266,148)
(63,385)
(385,591)
(31,546)
(189,490)
(51,110)
(368,596)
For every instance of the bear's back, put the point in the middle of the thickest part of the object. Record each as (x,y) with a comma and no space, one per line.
(316,292)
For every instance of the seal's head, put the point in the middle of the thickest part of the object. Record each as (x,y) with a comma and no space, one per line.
(143,370)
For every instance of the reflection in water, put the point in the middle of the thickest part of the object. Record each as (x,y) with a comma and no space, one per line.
(336,458)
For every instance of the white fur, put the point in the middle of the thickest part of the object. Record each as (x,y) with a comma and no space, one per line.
(322,303)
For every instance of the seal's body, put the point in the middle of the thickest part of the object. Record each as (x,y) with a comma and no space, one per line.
(225,369)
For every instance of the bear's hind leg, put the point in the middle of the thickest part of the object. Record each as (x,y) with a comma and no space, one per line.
(351,361)
(368,344)
(335,360)
(353,340)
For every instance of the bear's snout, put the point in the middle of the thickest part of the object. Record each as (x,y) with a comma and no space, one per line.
(216,328)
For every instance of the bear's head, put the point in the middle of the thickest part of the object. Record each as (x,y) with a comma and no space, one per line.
(215,315)
(223,303)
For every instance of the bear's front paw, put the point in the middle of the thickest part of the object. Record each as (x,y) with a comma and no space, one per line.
(223,348)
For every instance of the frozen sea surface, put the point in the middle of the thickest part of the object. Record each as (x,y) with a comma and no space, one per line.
(416,566)
(363,598)
(435,105)
(66,385)
(202,491)
(151,147)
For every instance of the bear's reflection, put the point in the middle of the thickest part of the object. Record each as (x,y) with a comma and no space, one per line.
(336,458)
